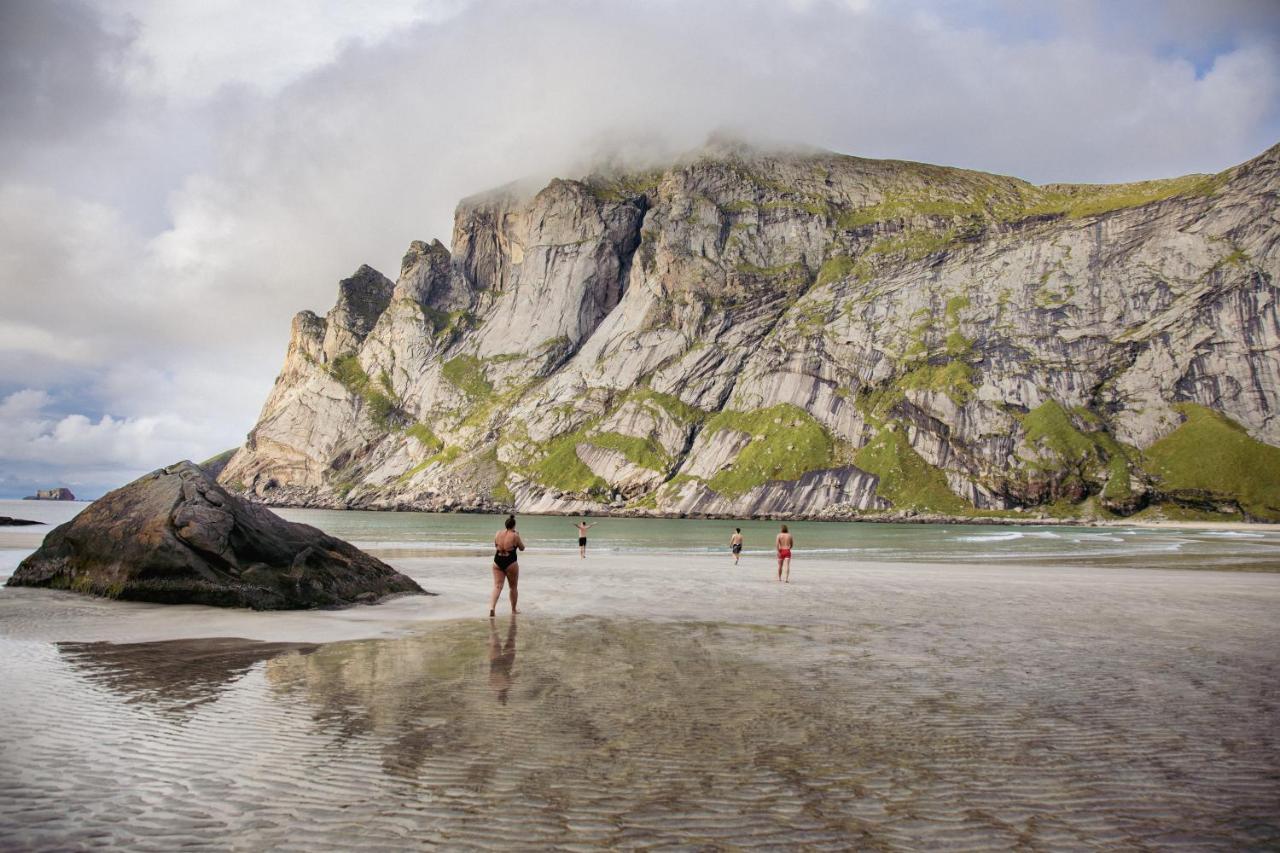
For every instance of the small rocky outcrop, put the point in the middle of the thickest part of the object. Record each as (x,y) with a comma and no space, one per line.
(60,494)
(175,536)
(6,521)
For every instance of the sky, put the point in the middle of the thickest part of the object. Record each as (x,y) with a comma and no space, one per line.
(179,177)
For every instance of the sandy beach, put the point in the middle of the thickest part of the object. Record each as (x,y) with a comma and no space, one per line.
(658,699)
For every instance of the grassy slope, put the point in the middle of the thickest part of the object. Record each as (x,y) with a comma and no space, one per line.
(1209,452)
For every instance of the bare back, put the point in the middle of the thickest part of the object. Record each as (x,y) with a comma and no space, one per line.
(508,541)
(785,540)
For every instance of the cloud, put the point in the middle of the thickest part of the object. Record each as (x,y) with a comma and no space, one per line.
(92,455)
(182,180)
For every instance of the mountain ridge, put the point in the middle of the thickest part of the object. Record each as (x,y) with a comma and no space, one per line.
(747,332)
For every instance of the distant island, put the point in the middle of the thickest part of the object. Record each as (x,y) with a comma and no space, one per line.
(802,334)
(59,494)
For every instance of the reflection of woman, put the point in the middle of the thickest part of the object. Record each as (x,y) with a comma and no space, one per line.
(501,659)
(506,565)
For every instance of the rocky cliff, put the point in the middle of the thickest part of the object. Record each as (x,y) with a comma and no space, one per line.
(801,333)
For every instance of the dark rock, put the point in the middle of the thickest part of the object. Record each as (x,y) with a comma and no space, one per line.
(6,521)
(175,536)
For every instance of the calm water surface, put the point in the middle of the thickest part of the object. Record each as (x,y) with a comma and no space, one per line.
(412,534)
(1015,696)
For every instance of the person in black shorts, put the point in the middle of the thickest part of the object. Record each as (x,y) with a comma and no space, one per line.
(506,565)
(735,544)
(583,527)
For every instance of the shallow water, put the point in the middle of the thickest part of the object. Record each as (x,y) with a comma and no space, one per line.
(413,534)
(650,696)
(614,733)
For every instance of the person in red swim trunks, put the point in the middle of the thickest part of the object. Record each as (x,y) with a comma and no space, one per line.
(785,543)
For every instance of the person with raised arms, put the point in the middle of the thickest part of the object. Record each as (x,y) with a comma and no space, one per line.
(583,527)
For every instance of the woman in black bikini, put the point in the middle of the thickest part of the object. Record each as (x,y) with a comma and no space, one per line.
(506,567)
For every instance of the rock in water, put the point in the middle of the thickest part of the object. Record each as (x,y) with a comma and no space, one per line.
(58,494)
(176,537)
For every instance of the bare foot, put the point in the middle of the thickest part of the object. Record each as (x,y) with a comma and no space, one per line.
(513,610)
(491,614)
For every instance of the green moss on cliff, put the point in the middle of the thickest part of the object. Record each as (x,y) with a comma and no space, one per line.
(1211,453)
(382,409)
(1049,427)
(786,443)
(467,374)
(954,378)
(424,436)
(671,404)
(644,452)
(906,479)
(560,468)
(841,267)
(445,456)
(914,245)
(1077,201)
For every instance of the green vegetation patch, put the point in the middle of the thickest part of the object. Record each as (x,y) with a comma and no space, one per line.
(1210,452)
(906,479)
(220,459)
(914,245)
(644,452)
(424,436)
(669,403)
(1077,201)
(954,378)
(786,443)
(467,374)
(624,187)
(1049,426)
(561,468)
(383,409)
(841,267)
(445,456)
(1083,456)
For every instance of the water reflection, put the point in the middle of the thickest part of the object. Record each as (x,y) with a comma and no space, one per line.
(176,675)
(634,733)
(502,656)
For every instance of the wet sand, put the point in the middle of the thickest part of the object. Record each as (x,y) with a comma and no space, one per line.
(653,701)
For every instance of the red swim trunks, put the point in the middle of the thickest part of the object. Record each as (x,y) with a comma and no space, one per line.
(783,553)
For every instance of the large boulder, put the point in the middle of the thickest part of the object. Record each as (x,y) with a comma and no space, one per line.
(175,536)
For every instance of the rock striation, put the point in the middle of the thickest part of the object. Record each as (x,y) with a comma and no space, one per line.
(800,333)
(175,536)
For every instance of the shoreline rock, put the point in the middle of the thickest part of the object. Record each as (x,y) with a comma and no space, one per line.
(6,521)
(175,536)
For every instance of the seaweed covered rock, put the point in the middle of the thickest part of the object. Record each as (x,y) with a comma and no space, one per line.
(175,536)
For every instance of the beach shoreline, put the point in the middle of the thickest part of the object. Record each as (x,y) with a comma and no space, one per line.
(642,700)
(908,517)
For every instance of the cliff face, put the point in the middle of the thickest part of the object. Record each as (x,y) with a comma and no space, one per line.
(749,332)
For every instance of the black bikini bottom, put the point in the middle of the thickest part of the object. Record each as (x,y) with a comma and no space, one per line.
(504,561)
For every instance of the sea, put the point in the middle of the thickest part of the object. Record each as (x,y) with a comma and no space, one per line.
(426,535)
(912,687)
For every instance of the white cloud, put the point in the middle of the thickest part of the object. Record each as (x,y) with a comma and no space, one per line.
(188,51)
(251,154)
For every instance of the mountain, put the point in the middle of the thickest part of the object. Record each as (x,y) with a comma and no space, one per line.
(802,333)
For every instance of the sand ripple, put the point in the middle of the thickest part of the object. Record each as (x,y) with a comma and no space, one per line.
(588,733)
